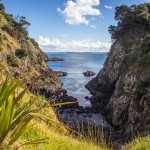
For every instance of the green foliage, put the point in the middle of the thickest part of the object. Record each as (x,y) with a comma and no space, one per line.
(23,22)
(1,42)
(9,17)
(20,53)
(34,43)
(16,29)
(145,45)
(13,119)
(142,85)
(141,55)
(138,144)
(2,7)
(24,43)
(1,39)
(12,60)
(8,29)
(129,18)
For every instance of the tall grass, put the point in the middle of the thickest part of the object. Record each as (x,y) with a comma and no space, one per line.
(15,115)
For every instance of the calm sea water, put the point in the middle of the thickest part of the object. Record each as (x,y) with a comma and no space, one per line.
(75,64)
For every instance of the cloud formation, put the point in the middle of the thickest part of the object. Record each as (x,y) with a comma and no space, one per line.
(55,45)
(108,7)
(75,12)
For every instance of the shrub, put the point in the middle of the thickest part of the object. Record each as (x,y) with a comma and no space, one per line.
(1,41)
(24,43)
(20,53)
(34,43)
(2,7)
(9,29)
(12,60)
(9,17)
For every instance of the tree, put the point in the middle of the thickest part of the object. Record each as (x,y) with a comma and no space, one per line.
(121,12)
(23,22)
(113,30)
(2,8)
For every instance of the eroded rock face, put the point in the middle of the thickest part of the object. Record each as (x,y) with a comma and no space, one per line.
(121,91)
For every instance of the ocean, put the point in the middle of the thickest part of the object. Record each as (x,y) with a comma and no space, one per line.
(75,64)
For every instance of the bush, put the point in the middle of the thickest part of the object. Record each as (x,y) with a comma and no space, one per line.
(1,41)
(9,17)
(24,43)
(20,53)
(145,45)
(9,29)
(2,8)
(12,60)
(34,43)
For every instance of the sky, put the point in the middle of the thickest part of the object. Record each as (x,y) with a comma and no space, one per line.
(69,25)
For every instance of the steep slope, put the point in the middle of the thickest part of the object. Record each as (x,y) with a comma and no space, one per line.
(23,57)
(121,89)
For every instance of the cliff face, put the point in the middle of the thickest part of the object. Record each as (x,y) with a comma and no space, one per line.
(121,90)
(22,56)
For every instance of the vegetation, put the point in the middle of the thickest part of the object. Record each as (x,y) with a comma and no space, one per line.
(20,53)
(34,43)
(1,42)
(12,60)
(138,144)
(13,120)
(17,28)
(2,7)
(19,129)
(130,17)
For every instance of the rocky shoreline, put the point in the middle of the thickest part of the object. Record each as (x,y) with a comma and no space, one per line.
(83,120)
(53,59)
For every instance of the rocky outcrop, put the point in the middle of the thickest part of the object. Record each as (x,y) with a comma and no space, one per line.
(54,59)
(121,90)
(60,73)
(89,73)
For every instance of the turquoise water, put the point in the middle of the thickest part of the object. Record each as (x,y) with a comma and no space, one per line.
(75,64)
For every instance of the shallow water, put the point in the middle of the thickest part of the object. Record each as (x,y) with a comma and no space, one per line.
(75,64)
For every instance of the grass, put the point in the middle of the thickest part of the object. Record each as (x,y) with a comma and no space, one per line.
(55,135)
(55,140)
(141,143)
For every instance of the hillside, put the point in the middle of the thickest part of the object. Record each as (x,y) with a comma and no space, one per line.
(23,57)
(121,90)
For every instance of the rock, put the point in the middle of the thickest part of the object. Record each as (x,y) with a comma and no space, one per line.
(119,91)
(87,98)
(62,97)
(60,73)
(54,59)
(89,73)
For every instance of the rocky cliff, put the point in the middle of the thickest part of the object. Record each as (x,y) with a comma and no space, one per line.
(121,90)
(22,56)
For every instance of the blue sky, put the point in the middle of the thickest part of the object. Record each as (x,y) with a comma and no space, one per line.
(69,25)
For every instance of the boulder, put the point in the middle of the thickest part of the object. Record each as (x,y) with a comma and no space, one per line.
(89,73)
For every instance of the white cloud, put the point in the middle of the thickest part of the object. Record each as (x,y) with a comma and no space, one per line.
(108,7)
(55,45)
(75,12)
